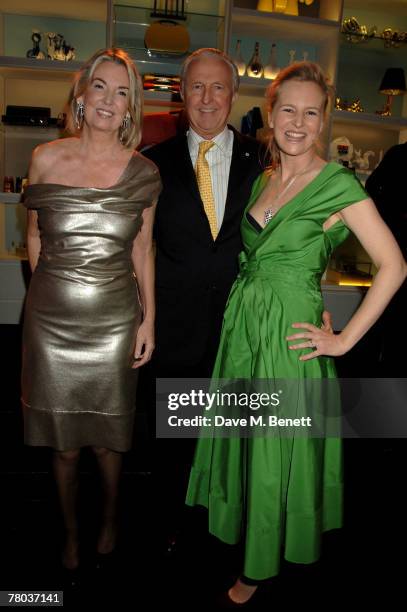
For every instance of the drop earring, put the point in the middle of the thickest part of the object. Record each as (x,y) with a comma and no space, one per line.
(124,126)
(80,112)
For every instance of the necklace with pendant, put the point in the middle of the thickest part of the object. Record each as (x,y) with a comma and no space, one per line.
(269,213)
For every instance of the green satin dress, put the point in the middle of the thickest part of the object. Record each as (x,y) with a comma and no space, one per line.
(280,493)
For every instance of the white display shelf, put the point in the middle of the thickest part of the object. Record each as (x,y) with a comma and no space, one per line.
(9,198)
(369,119)
(290,27)
(19,67)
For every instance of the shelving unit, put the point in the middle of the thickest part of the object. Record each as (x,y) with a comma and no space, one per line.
(130,23)
(355,70)
(370,120)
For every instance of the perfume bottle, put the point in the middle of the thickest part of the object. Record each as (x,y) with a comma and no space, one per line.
(238,59)
(271,70)
(255,67)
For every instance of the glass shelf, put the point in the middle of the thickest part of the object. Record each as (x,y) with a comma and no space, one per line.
(130,26)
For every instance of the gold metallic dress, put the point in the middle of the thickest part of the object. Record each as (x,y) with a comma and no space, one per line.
(82,312)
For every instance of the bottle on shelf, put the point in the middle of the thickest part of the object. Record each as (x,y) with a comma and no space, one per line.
(255,67)
(271,69)
(238,59)
(291,53)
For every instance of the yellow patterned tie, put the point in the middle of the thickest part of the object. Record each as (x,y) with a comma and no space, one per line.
(203,177)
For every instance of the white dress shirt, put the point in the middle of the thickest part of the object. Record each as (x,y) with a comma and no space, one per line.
(219,158)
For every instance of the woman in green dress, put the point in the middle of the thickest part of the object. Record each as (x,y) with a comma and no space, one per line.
(280,493)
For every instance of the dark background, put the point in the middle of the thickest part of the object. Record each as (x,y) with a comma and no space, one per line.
(360,561)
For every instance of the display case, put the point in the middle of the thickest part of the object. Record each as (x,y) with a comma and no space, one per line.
(203,21)
(363,62)
(312,31)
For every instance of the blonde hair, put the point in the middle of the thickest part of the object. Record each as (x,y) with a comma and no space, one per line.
(130,136)
(309,72)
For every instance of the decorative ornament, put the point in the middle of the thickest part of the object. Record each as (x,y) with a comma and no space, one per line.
(255,67)
(356,33)
(35,52)
(124,127)
(353,107)
(79,115)
(57,48)
(238,59)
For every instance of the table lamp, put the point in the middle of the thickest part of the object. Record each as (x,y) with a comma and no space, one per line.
(393,84)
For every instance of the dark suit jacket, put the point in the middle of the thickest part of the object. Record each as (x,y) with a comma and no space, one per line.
(194,274)
(386,186)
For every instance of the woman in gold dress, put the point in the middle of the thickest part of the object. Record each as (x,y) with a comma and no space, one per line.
(89,318)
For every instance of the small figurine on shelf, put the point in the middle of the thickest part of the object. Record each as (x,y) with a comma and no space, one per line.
(35,52)
(353,107)
(255,67)
(393,38)
(305,55)
(362,161)
(238,59)
(339,103)
(292,53)
(57,48)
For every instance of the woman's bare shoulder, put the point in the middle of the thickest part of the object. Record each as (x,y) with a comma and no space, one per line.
(46,155)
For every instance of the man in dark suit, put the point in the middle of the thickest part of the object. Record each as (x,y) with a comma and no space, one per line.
(196,263)
(194,271)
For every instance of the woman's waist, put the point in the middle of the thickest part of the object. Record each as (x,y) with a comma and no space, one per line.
(84,274)
(279,272)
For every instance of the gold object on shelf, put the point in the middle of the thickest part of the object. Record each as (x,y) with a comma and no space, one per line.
(356,33)
(393,38)
(353,107)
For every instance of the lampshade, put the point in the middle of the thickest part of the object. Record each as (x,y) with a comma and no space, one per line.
(393,82)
